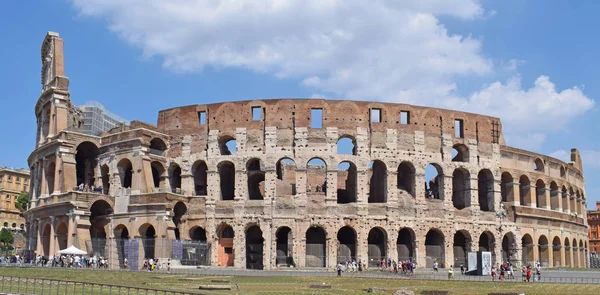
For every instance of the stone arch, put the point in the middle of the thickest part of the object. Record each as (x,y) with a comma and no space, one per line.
(105,172)
(198,233)
(158,171)
(346,145)
(346,183)
(256,179)
(148,234)
(49,173)
(406,177)
(200,173)
(582,257)
(86,162)
(434,181)
(565,199)
(125,169)
(284,246)
(406,244)
(46,240)
(538,165)
(158,146)
(316,176)
(540,194)
(507,187)
(461,188)
(460,153)
(225,255)
(377,245)
(524,191)
(254,247)
(485,190)
(316,247)
(346,237)
(509,248)
(100,211)
(543,250)
(556,246)
(554,196)
(527,249)
(227,145)
(378,182)
(286,177)
(568,253)
(179,210)
(461,246)
(487,242)
(227,180)
(435,249)
(175,178)
(574,250)
(62,233)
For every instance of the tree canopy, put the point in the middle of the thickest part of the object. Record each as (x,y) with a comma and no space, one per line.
(6,238)
(22,201)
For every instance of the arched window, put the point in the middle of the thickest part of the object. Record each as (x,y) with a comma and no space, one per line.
(434,182)
(256,179)
(460,153)
(125,172)
(346,145)
(485,189)
(86,163)
(406,177)
(175,178)
(286,177)
(157,147)
(200,178)
(227,145)
(540,194)
(227,180)
(378,182)
(346,183)
(461,188)
(316,177)
(538,165)
(507,188)
(524,191)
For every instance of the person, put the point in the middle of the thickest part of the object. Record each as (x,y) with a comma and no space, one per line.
(502,272)
(169,265)
(451,272)
(462,269)
(493,273)
(125,261)
(538,271)
(528,274)
(339,269)
(435,266)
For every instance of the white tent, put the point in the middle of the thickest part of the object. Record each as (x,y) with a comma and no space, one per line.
(72,251)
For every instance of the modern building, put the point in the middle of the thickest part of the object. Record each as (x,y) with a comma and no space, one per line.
(97,120)
(593,217)
(13,182)
(261,184)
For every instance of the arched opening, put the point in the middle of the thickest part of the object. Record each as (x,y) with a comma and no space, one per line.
(527,250)
(554,196)
(198,234)
(485,190)
(227,145)
(565,199)
(556,245)
(121,236)
(377,182)
(254,248)
(105,179)
(572,202)
(434,182)
(487,242)
(200,178)
(509,248)
(563,172)
(405,244)
(506,188)
(575,255)
(125,173)
(346,145)
(434,248)
(316,245)
(286,177)
(582,256)
(461,188)
(226,254)
(158,147)
(50,177)
(45,240)
(568,253)
(460,153)
(175,178)
(157,174)
(316,177)
(85,163)
(62,234)
(227,180)
(540,194)
(544,251)
(284,246)
(99,219)
(406,178)
(178,211)
(346,183)
(538,165)
(462,245)
(377,244)
(256,179)
(148,234)
(347,244)
(524,191)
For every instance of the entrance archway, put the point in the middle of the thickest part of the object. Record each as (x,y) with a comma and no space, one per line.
(405,244)
(347,248)
(434,248)
(46,240)
(198,234)
(543,250)
(487,243)
(121,235)
(85,163)
(527,250)
(254,248)
(462,244)
(284,246)
(178,211)
(556,245)
(225,255)
(316,243)
(61,236)
(99,212)
(148,234)
(509,248)
(377,242)
(568,256)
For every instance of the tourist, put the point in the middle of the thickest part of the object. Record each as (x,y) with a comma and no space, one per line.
(538,271)
(493,273)
(339,269)
(528,274)
(462,269)
(435,266)
(451,272)
(125,263)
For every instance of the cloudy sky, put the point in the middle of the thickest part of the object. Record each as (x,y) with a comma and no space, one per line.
(531,63)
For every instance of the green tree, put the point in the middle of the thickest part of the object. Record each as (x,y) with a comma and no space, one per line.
(22,201)
(6,238)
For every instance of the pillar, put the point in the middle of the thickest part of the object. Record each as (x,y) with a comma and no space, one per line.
(516,188)
(58,175)
(532,195)
(52,237)
(547,198)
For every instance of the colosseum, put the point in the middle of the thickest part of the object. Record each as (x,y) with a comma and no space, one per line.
(265,184)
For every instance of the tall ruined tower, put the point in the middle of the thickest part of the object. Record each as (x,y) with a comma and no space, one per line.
(53,110)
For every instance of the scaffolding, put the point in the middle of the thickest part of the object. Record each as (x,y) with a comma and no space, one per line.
(97,120)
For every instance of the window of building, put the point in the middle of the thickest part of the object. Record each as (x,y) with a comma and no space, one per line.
(404,117)
(256,114)
(594,236)
(8,197)
(375,115)
(316,118)
(10,177)
(202,117)
(459,131)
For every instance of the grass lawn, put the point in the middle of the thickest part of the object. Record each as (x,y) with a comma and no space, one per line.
(292,285)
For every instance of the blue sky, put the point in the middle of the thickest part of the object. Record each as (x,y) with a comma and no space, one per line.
(529,62)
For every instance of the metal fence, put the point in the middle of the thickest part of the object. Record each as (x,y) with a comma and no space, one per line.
(21,285)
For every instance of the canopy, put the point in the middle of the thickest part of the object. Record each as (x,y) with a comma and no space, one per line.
(72,251)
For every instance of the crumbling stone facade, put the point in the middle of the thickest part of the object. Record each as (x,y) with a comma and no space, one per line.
(263,185)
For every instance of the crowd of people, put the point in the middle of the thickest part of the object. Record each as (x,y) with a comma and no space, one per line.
(73,261)
(405,267)
(153,264)
(89,188)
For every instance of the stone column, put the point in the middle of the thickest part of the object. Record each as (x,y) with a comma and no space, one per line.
(532,195)
(187,184)
(241,184)
(566,208)
(239,245)
(331,189)
(332,244)
(71,232)
(43,179)
(474,191)
(392,246)
(52,237)
(362,245)
(547,198)
(419,186)
(57,177)
(39,246)
(516,192)
(391,189)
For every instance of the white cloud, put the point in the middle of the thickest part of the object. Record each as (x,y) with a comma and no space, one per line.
(513,64)
(369,50)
